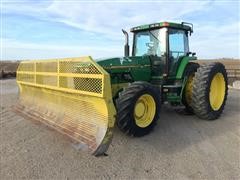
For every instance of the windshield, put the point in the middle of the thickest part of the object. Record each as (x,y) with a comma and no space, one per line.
(151,42)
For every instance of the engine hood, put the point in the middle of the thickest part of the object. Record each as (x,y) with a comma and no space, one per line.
(123,62)
(137,68)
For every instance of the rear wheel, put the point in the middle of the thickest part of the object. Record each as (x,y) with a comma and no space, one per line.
(210,91)
(138,108)
(189,74)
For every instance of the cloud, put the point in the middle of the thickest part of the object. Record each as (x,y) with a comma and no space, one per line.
(13,49)
(214,41)
(95,28)
(106,18)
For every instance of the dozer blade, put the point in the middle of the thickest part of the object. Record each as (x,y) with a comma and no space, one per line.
(71,95)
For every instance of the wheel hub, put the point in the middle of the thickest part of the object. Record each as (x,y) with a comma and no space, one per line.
(140,109)
(217,91)
(144,110)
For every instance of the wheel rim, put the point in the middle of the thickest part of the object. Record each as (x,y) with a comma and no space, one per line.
(144,110)
(188,89)
(217,91)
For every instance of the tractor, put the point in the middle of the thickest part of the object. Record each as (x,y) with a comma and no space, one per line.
(84,99)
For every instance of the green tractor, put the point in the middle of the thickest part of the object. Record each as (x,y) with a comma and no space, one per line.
(161,69)
(84,99)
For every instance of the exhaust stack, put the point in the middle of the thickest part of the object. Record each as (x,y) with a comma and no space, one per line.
(126,46)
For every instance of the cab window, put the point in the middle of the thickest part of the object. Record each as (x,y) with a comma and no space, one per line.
(152,42)
(178,43)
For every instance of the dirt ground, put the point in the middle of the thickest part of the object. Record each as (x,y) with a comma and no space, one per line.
(181,147)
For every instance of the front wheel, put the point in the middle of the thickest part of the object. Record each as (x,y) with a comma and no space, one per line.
(138,108)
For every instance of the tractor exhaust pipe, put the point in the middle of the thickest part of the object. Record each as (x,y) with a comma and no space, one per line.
(126,46)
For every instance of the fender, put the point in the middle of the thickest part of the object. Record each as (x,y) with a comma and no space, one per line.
(182,66)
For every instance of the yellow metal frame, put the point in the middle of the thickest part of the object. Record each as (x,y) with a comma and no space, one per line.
(73,95)
(104,76)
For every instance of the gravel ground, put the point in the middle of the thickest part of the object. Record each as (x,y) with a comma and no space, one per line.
(236,84)
(181,147)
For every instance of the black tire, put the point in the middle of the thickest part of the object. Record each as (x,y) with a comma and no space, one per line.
(190,70)
(125,105)
(201,91)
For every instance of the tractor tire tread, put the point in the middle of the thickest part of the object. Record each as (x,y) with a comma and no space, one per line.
(201,88)
(126,102)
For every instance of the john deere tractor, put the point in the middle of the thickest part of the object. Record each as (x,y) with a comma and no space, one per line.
(84,99)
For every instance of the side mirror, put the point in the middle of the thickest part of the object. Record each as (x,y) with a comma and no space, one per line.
(192,53)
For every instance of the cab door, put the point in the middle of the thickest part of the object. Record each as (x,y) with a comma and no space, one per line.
(178,48)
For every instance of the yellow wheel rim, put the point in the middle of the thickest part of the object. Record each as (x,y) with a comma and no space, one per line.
(217,91)
(144,110)
(188,89)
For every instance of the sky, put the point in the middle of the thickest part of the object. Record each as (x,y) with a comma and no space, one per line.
(40,29)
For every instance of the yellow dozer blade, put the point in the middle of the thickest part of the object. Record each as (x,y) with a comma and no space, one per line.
(71,95)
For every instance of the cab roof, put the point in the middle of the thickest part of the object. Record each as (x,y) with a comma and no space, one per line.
(184,25)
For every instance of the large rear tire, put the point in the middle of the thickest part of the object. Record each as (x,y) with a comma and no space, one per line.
(189,74)
(210,89)
(138,108)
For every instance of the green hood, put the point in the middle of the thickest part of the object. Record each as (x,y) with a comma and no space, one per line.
(127,69)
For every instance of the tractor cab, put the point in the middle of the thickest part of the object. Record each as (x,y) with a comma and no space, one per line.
(166,44)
